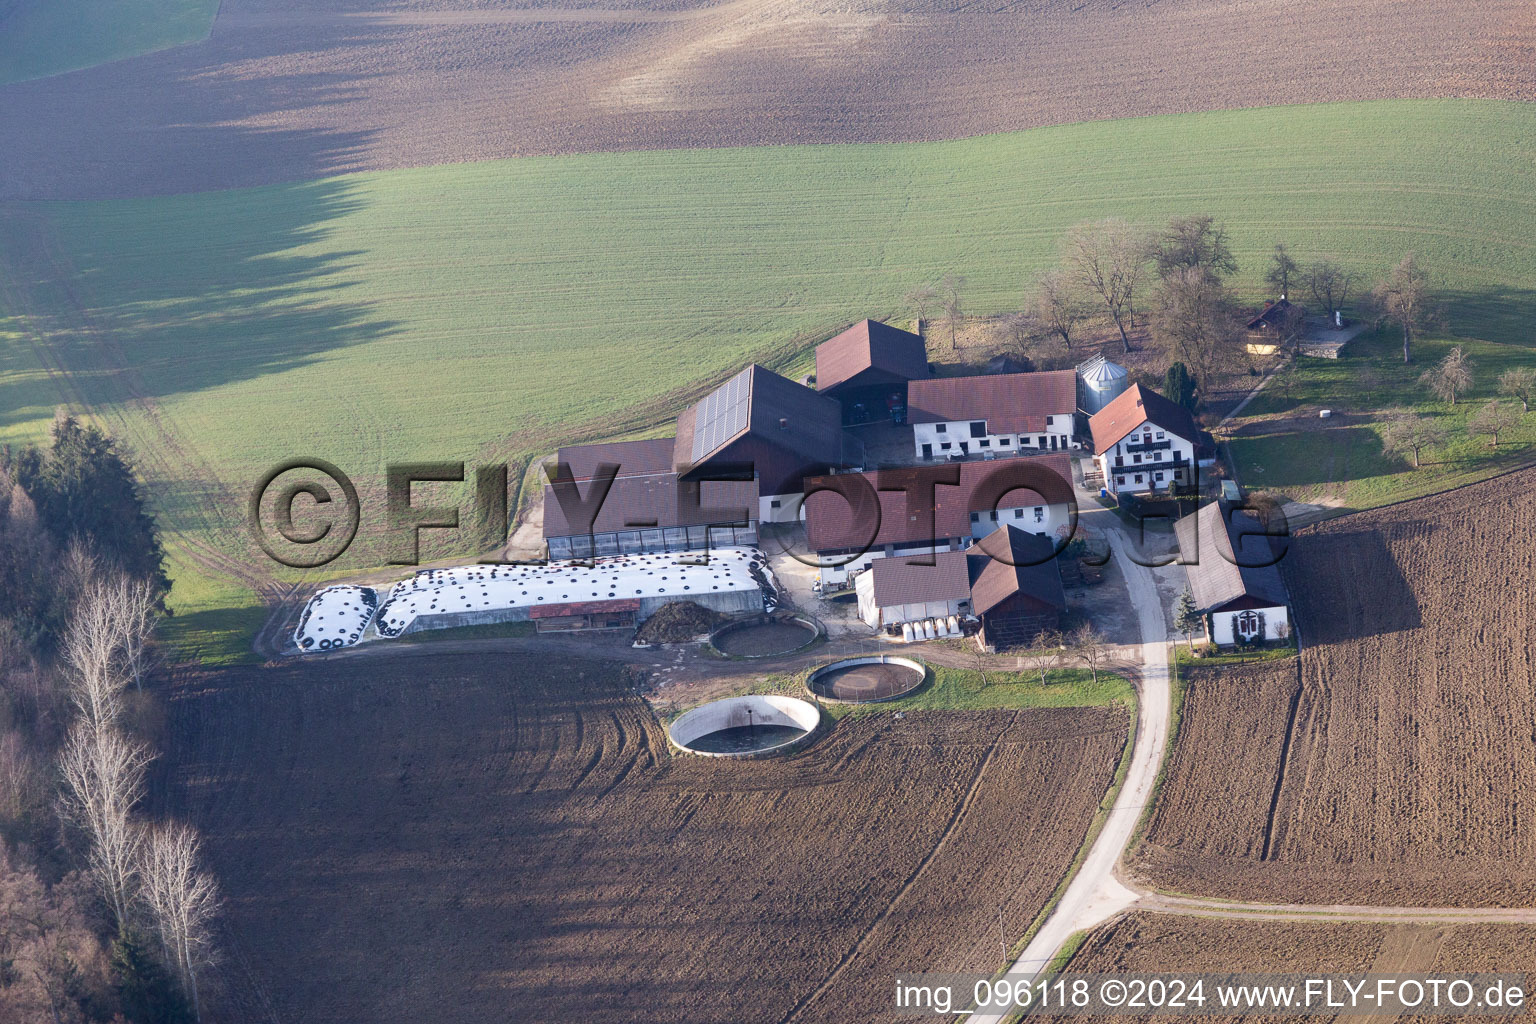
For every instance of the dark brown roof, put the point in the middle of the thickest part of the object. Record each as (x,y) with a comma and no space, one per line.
(654,498)
(1011,403)
(634,458)
(1272,315)
(1134,406)
(893,355)
(1216,580)
(837,518)
(775,409)
(907,580)
(1009,562)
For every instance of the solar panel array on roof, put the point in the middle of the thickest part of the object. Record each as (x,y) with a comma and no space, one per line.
(722,415)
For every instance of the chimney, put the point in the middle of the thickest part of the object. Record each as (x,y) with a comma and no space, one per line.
(783,423)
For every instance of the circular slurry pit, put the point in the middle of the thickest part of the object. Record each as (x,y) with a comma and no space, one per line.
(764,639)
(866,680)
(745,726)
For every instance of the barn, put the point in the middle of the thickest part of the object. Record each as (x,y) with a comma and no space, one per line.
(917,588)
(1233,575)
(867,369)
(1016,588)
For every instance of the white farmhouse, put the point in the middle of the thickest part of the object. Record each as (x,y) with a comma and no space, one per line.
(1143,442)
(1233,575)
(1001,414)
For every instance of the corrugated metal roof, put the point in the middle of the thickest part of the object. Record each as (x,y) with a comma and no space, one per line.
(1011,403)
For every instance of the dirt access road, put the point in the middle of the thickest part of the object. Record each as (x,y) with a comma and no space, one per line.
(285,90)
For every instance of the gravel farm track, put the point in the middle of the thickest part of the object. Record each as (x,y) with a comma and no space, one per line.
(289,91)
(400,835)
(1394,762)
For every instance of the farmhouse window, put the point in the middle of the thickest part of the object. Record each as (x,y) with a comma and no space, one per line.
(1018,513)
(945,446)
(1042,440)
(978,428)
(1138,477)
(1049,420)
(1039,514)
(1158,477)
(975,517)
(1249,624)
(1159,435)
(985,442)
(941,428)
(774,503)
(1136,457)
(1004,442)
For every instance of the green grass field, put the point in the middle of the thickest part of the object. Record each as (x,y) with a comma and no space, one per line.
(490,311)
(45,37)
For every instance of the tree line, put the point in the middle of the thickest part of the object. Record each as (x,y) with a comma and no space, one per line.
(1176,282)
(108,914)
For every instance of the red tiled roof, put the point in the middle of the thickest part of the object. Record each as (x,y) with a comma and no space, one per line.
(1134,406)
(870,345)
(837,519)
(1009,561)
(908,581)
(1011,403)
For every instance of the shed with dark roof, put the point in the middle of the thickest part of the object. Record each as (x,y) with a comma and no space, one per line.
(1016,588)
(867,368)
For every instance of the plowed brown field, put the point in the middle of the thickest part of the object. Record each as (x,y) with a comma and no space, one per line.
(1145,943)
(1395,762)
(287,90)
(397,836)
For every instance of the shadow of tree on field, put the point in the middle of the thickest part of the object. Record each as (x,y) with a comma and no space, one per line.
(226,294)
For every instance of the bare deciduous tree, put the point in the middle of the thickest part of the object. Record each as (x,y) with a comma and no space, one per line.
(103,775)
(920,300)
(1407,433)
(1060,305)
(183,901)
(1108,258)
(1283,270)
(1044,653)
(1403,298)
(1520,384)
(1494,419)
(1330,285)
(1197,243)
(92,655)
(1090,647)
(1450,377)
(1195,323)
(950,287)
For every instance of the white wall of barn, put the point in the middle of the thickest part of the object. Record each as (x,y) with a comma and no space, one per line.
(1276,625)
(949,439)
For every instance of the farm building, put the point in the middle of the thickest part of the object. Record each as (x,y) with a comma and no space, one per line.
(768,426)
(1275,324)
(867,368)
(961,503)
(1004,414)
(906,590)
(647,508)
(1016,588)
(1099,382)
(1236,584)
(1143,442)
